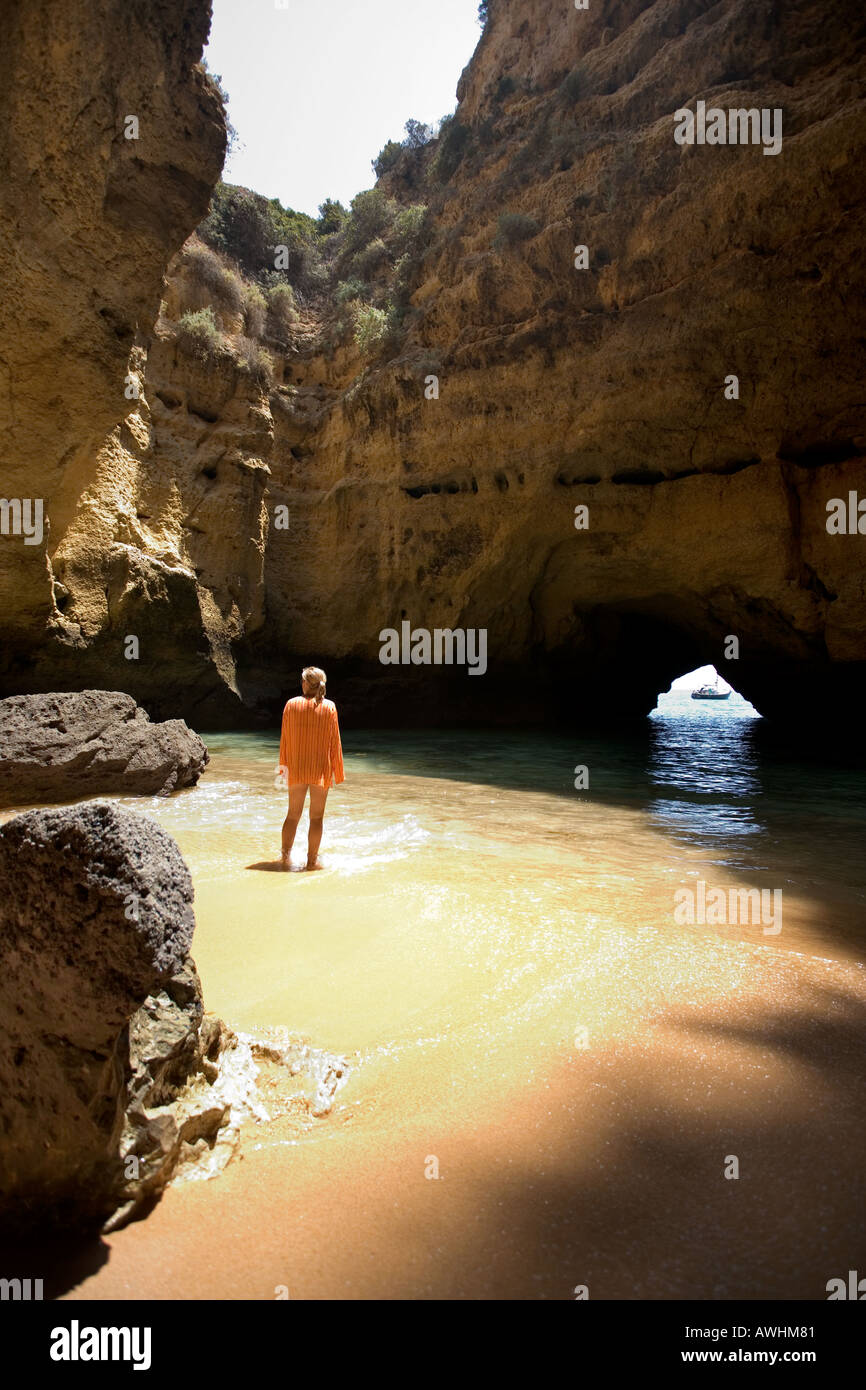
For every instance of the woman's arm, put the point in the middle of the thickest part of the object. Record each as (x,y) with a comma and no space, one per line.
(336,751)
(284,748)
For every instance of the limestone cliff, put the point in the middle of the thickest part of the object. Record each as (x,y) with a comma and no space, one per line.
(559,387)
(88,221)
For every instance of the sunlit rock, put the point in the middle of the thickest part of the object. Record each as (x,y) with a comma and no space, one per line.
(60,747)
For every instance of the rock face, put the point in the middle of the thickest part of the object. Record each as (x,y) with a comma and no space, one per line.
(88,221)
(560,387)
(105,1054)
(60,747)
(185,1089)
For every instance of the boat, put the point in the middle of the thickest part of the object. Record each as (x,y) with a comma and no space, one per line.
(710,692)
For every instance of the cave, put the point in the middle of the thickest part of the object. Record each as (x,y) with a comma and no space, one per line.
(705,516)
(557,379)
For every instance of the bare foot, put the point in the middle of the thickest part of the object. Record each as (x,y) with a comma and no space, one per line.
(286,862)
(317,865)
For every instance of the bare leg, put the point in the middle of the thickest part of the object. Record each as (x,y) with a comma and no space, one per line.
(297,797)
(318,797)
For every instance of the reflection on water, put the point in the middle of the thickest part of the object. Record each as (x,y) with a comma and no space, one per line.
(706,753)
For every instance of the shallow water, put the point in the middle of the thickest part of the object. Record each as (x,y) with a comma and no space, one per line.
(496,954)
(475,904)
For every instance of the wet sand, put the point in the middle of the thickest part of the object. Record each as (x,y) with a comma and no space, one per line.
(606,1171)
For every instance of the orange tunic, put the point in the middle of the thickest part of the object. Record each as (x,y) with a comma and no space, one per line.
(310,748)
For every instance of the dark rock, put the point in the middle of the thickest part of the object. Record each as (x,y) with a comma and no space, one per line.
(102,1027)
(60,747)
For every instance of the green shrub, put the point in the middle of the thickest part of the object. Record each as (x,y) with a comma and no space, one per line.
(387,157)
(238,225)
(371,325)
(394,325)
(454,141)
(410,225)
(309,273)
(405,278)
(249,228)
(281,313)
(514,227)
(372,214)
(206,273)
(256,360)
(403,271)
(332,217)
(280,293)
(417,135)
(198,335)
(303,270)
(255,311)
(504,87)
(348,290)
(370,259)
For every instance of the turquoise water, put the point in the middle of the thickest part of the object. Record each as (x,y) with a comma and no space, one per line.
(708,777)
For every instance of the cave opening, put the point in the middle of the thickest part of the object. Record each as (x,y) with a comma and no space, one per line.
(704,762)
(704,693)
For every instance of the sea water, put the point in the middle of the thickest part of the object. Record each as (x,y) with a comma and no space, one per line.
(471,891)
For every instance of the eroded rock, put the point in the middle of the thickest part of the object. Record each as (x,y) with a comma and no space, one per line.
(105,1050)
(88,221)
(60,747)
(186,1091)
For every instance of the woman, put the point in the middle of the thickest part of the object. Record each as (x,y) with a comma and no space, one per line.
(310,756)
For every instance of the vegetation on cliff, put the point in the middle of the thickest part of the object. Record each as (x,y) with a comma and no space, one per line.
(346,279)
(275,277)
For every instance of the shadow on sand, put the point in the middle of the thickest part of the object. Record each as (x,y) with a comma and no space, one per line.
(622,1188)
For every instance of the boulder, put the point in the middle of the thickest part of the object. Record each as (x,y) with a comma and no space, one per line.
(61,747)
(107,1060)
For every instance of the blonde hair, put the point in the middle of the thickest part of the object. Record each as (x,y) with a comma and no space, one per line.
(315,678)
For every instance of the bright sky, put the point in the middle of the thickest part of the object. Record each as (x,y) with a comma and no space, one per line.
(704,675)
(318,87)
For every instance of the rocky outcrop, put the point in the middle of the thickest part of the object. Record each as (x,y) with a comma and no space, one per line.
(94,205)
(559,387)
(60,747)
(109,1075)
(188,1084)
